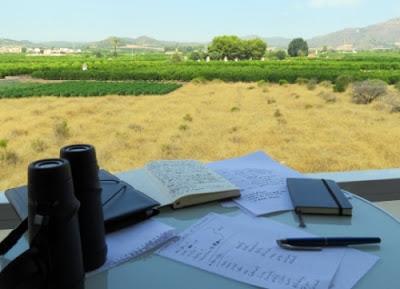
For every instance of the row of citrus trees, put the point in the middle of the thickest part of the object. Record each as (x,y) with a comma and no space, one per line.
(84,88)
(233,73)
(131,68)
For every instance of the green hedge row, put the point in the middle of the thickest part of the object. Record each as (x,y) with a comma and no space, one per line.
(85,88)
(226,73)
(361,66)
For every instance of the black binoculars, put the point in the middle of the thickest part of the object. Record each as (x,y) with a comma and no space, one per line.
(65,223)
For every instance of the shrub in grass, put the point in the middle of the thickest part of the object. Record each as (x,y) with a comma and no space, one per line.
(169,150)
(392,101)
(301,80)
(328,97)
(7,156)
(342,83)
(3,144)
(61,129)
(234,129)
(262,83)
(397,85)
(10,157)
(283,82)
(312,84)
(395,107)
(136,127)
(38,145)
(188,118)
(277,113)
(183,127)
(235,109)
(366,91)
(199,80)
(326,83)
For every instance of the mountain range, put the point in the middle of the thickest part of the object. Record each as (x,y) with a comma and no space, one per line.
(382,35)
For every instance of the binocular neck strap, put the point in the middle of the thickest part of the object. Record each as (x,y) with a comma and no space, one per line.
(13,237)
(28,270)
(25,272)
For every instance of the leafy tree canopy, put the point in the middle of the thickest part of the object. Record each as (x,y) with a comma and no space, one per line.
(298,47)
(233,47)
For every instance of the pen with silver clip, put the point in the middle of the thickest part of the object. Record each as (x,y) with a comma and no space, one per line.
(319,243)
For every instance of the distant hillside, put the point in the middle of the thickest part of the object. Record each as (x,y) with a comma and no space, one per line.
(382,35)
(10,42)
(142,41)
(25,43)
(276,42)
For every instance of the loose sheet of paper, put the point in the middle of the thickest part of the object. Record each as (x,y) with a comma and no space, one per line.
(261,180)
(135,240)
(355,264)
(222,245)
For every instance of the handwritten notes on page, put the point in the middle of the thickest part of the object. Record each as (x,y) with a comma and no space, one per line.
(355,264)
(135,240)
(245,253)
(184,177)
(261,180)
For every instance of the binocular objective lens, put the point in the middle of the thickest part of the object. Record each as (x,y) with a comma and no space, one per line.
(48,164)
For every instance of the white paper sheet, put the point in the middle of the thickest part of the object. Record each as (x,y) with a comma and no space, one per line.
(262,182)
(133,241)
(224,246)
(355,264)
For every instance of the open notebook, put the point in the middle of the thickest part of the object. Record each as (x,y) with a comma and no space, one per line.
(183,183)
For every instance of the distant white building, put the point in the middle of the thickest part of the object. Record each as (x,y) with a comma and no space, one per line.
(34,51)
(8,49)
(346,48)
(53,51)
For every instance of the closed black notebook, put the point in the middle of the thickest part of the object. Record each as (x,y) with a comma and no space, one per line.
(122,204)
(316,196)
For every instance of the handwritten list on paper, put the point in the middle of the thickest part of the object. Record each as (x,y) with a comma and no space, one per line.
(232,249)
(355,264)
(261,180)
(133,241)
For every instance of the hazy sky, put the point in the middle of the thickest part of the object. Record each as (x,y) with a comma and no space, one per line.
(87,20)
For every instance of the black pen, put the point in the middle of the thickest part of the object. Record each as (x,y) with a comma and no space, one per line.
(319,243)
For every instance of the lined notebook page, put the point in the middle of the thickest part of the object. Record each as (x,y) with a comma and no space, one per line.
(133,241)
(183,177)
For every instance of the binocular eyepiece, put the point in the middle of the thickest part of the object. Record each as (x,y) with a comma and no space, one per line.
(65,216)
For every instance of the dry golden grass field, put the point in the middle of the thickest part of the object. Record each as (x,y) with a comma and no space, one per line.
(305,129)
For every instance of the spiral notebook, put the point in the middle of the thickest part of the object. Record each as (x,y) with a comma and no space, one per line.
(131,242)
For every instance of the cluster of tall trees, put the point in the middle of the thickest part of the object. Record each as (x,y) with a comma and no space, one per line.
(232,47)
